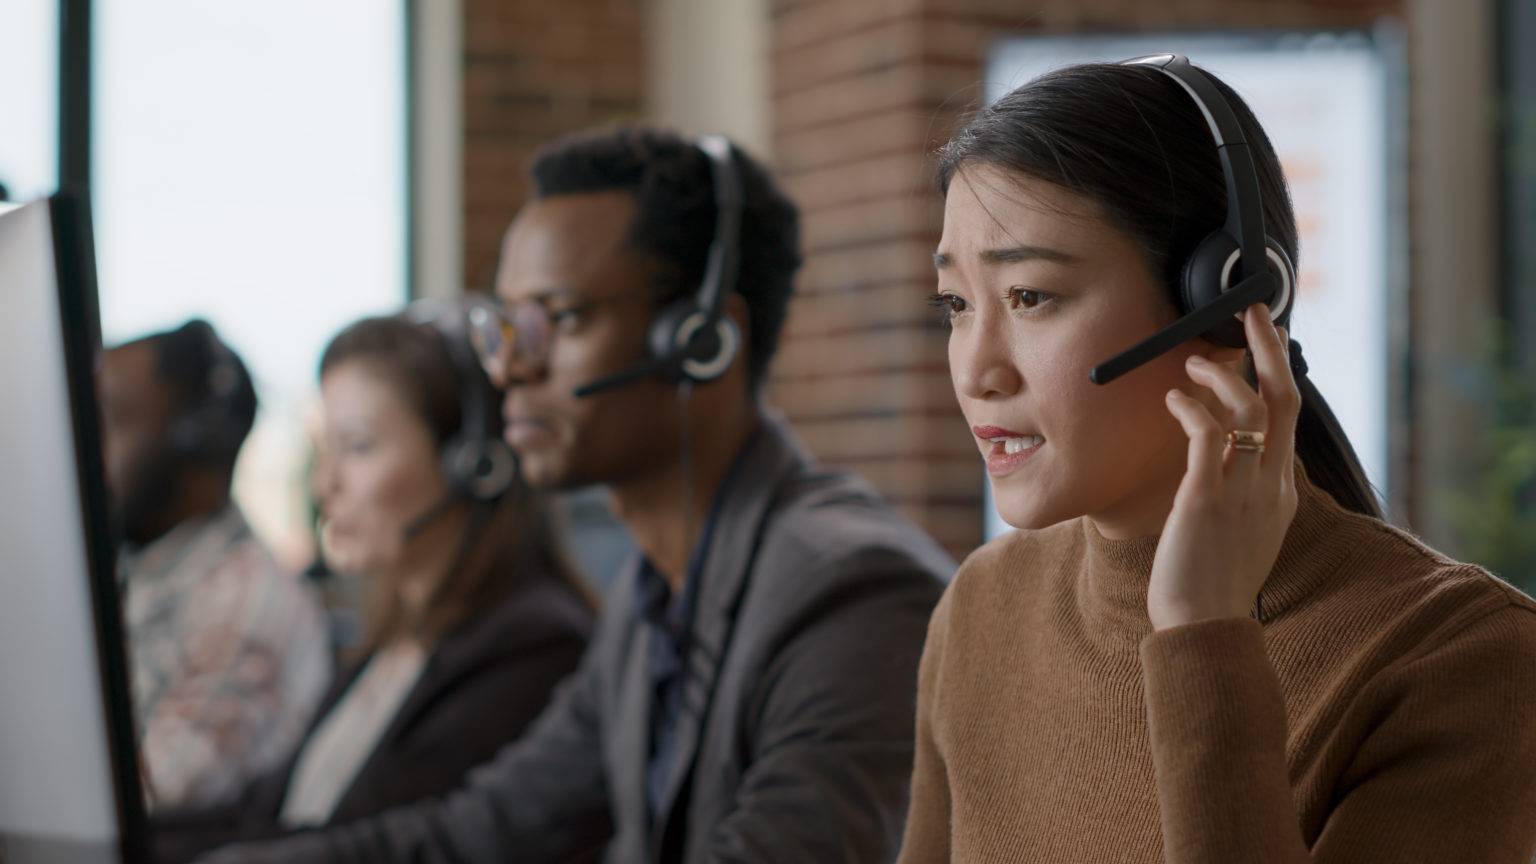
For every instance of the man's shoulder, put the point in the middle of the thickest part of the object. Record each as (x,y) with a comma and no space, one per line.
(537,614)
(829,528)
(248,566)
(240,583)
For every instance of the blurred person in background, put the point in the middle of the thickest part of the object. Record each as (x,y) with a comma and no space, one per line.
(473,615)
(1204,645)
(228,652)
(749,692)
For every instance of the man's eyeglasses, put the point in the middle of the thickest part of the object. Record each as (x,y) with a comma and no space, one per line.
(508,336)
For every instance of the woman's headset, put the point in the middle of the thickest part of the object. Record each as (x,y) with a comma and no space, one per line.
(1232,268)
(477,463)
(692,339)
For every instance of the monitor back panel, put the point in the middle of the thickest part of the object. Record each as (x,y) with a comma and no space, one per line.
(57,801)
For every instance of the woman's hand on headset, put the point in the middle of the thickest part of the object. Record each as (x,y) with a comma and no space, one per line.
(1234,506)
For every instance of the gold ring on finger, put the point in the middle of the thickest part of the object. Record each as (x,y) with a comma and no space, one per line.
(1248,442)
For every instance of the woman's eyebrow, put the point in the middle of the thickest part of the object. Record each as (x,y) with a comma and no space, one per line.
(1015,254)
(1012,255)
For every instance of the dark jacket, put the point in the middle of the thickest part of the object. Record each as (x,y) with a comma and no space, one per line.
(480,688)
(794,741)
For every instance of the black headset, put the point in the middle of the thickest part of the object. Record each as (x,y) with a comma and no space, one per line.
(692,340)
(477,462)
(206,427)
(1232,268)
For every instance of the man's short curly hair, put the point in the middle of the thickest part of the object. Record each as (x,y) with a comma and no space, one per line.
(674,193)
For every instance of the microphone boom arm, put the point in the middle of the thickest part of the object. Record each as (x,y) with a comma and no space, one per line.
(1251,290)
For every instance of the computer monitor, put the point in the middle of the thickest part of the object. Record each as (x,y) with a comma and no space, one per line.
(69,791)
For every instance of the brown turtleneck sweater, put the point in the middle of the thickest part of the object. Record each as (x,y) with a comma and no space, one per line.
(1381,709)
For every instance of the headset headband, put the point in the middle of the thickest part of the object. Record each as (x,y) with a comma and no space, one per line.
(720,268)
(1245,205)
(447,319)
(693,339)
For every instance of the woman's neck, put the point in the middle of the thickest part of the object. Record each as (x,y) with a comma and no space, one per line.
(1143,512)
(426,558)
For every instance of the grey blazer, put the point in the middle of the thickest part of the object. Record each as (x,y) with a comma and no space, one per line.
(795,735)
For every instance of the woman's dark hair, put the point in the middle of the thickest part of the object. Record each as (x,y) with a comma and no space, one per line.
(1131,140)
(506,542)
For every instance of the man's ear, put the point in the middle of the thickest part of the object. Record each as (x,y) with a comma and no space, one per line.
(736,309)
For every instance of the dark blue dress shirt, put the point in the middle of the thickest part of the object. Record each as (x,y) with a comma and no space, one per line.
(670,618)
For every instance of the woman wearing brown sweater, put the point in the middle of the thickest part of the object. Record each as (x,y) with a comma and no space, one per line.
(1204,645)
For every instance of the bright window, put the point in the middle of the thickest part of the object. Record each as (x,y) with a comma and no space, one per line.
(250,167)
(29,97)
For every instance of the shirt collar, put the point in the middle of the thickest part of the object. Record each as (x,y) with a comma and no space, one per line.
(657,603)
(164,554)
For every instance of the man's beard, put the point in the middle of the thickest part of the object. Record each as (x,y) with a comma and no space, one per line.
(140,502)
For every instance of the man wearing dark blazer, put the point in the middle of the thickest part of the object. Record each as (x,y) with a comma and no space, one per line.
(749,693)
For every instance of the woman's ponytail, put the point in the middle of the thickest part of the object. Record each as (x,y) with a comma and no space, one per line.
(1327,456)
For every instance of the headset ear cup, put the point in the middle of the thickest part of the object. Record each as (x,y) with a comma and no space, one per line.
(479,470)
(672,338)
(1208,271)
(204,433)
(1280,308)
(1201,285)
(186,437)
(455,460)
(666,327)
(711,361)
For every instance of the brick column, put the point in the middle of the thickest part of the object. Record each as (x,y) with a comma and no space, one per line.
(861,94)
(534,70)
(863,91)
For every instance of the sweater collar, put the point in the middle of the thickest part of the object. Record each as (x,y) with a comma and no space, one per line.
(1112,586)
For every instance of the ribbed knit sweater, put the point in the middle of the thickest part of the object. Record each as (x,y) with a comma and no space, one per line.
(1379,707)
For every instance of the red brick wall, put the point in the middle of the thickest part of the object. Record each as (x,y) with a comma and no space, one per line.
(863,91)
(535,69)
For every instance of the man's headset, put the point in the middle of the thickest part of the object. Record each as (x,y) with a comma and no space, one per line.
(692,340)
(207,427)
(1232,268)
(477,463)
